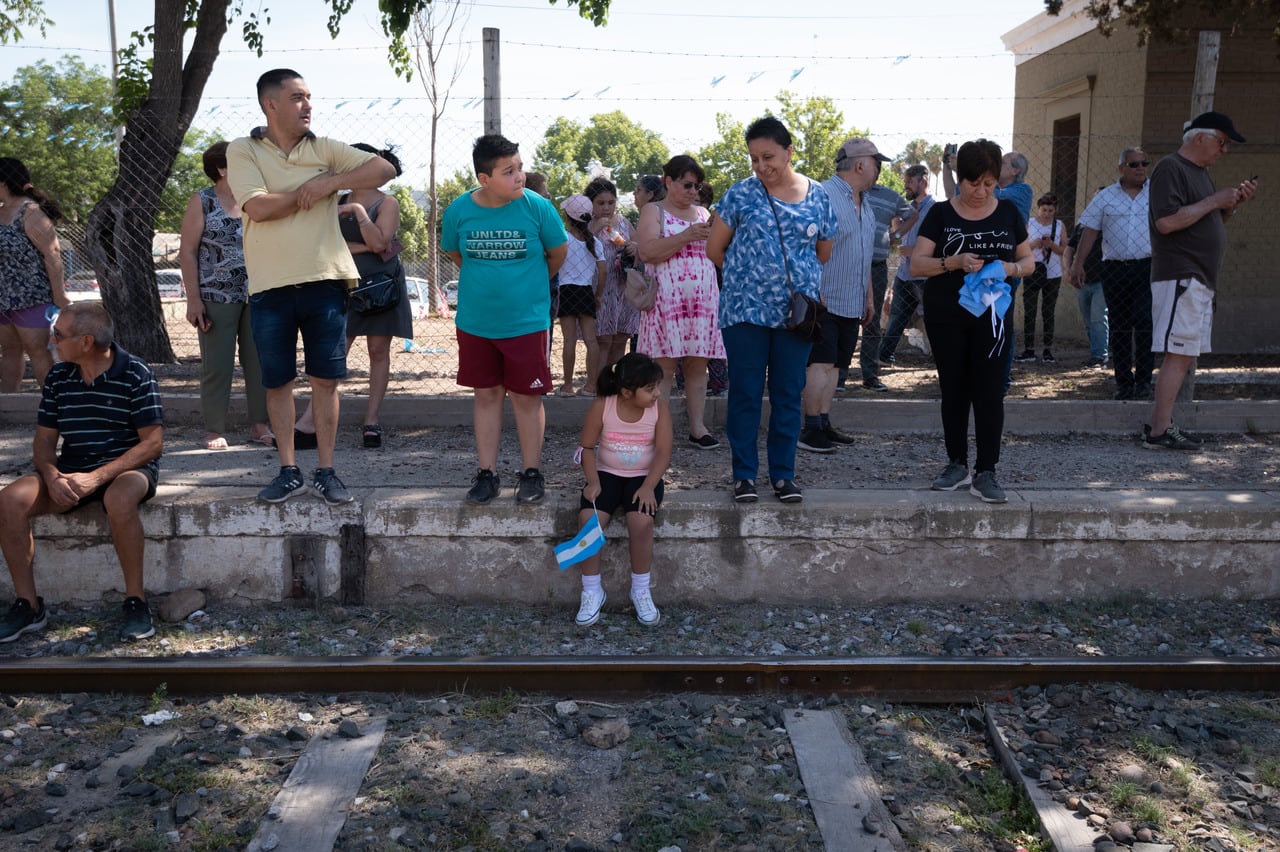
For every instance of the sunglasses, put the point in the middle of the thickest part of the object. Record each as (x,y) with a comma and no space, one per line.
(1138,164)
(59,335)
(687,185)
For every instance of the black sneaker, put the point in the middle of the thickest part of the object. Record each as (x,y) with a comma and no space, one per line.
(1026,357)
(531,487)
(815,441)
(484,487)
(874,385)
(1123,393)
(1142,391)
(744,491)
(21,618)
(137,620)
(1172,438)
(835,436)
(787,491)
(1047,357)
(284,486)
(706,442)
(329,488)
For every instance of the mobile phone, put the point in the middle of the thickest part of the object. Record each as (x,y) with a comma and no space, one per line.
(1254,178)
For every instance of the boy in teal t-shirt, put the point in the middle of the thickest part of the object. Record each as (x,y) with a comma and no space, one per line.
(507,243)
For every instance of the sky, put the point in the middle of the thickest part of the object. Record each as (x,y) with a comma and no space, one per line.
(936,70)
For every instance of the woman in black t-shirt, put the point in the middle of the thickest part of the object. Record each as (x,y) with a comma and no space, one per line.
(958,237)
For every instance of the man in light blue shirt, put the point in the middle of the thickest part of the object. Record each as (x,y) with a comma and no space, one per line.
(846,289)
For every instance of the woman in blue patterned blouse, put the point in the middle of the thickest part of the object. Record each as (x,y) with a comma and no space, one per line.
(772,233)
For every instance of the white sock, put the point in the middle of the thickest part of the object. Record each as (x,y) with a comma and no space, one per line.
(639,582)
(591,583)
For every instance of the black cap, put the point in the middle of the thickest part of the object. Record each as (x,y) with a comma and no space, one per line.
(1215,121)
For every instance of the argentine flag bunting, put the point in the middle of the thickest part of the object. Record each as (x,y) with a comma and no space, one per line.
(587,543)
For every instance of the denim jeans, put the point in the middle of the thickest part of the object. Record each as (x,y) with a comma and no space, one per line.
(760,356)
(906,298)
(1093,313)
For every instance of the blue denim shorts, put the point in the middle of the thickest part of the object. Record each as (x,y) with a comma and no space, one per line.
(319,311)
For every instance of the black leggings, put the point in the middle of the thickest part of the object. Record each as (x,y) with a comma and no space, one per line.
(970,360)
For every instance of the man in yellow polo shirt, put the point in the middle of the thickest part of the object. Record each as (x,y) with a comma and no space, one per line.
(286,180)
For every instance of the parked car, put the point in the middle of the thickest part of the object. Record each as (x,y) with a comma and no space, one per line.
(451,293)
(169,283)
(83,287)
(419,303)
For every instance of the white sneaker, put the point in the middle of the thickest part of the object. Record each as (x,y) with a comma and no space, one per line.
(589,609)
(646,613)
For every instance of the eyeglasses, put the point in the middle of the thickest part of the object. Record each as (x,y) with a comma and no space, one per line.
(1223,142)
(687,185)
(1138,164)
(60,336)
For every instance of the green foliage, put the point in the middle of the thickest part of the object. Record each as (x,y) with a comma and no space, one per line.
(725,160)
(186,178)
(56,118)
(414,231)
(1159,19)
(610,139)
(493,707)
(817,130)
(918,151)
(16,14)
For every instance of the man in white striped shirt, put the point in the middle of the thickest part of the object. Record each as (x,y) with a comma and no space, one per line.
(846,289)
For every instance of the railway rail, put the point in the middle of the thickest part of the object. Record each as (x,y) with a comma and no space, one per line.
(912,679)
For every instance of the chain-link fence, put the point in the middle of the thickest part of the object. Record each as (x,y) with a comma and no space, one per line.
(1059,320)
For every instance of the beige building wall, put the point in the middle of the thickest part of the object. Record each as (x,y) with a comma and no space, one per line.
(1129,94)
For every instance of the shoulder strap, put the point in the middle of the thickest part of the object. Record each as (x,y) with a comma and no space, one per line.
(786,262)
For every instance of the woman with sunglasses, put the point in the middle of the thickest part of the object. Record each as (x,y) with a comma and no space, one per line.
(683,325)
(772,234)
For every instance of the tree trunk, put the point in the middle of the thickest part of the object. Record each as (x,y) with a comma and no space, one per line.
(121,227)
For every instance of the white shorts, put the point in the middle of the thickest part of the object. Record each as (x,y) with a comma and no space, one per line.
(1182,317)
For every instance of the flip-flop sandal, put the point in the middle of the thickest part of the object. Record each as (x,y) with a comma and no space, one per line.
(372,435)
(266,439)
(566,391)
(216,443)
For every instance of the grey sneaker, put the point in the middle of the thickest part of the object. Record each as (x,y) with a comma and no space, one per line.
(22,618)
(986,489)
(955,476)
(1172,438)
(484,487)
(531,487)
(284,486)
(329,488)
(137,620)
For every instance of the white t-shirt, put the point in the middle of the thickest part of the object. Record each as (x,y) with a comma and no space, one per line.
(1053,233)
(579,268)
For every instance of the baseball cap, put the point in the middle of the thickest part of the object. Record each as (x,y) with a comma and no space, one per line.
(577,207)
(1215,121)
(859,147)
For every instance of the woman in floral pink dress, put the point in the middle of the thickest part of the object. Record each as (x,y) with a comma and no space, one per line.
(672,239)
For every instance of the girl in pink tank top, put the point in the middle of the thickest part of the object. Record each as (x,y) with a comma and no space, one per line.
(624,451)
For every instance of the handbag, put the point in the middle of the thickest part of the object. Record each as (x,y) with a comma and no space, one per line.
(375,294)
(640,291)
(805,315)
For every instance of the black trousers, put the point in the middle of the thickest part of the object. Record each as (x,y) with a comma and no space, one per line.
(971,359)
(1036,287)
(1127,286)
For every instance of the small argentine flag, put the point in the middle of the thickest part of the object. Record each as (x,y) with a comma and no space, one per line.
(587,543)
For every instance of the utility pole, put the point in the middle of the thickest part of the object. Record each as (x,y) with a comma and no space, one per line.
(1202,91)
(492,86)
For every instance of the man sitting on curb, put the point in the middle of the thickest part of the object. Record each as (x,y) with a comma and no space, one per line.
(104,404)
